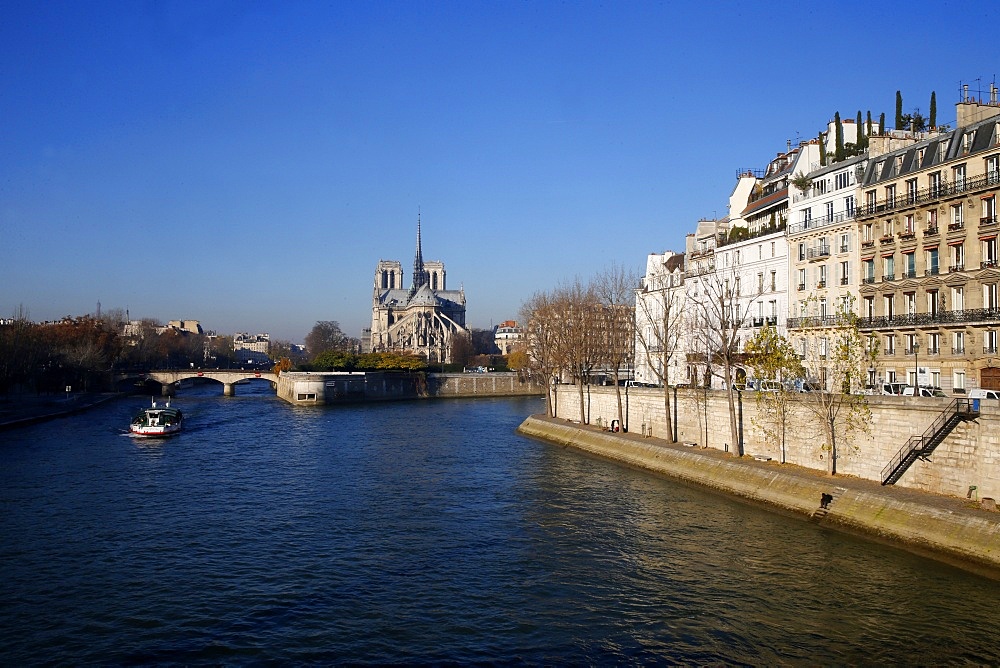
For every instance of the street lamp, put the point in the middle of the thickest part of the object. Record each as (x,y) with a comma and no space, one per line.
(916,367)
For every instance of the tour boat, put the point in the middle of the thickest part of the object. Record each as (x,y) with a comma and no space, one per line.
(157,421)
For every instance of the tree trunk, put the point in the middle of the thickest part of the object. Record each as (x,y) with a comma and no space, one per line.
(831,433)
(734,434)
(583,413)
(666,410)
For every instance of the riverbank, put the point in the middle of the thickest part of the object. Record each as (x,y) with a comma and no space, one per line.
(947,528)
(21,411)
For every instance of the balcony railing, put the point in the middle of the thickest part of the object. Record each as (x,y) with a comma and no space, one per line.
(802,286)
(954,227)
(885,239)
(986,264)
(821,284)
(771,320)
(933,350)
(867,280)
(912,273)
(925,195)
(814,321)
(907,236)
(844,280)
(981,315)
(986,221)
(933,271)
(868,243)
(889,277)
(931,230)
(843,248)
(955,267)
(989,350)
(958,350)
(817,253)
(758,322)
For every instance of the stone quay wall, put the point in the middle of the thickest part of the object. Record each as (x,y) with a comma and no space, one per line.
(969,456)
(926,524)
(320,388)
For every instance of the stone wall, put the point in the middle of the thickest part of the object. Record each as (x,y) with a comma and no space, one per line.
(311,389)
(969,456)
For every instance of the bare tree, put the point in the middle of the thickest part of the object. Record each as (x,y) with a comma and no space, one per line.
(659,330)
(539,316)
(725,308)
(615,288)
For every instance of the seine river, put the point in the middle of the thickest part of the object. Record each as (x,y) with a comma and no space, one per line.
(428,532)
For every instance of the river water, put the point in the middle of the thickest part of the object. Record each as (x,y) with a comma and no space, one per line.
(428,532)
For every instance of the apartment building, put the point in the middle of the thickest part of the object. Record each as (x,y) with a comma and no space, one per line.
(823,258)
(929,277)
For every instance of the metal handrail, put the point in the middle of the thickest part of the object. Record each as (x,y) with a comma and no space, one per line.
(918,446)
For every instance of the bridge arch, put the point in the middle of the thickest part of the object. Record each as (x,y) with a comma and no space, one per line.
(228,377)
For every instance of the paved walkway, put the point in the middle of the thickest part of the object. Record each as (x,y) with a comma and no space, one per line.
(949,503)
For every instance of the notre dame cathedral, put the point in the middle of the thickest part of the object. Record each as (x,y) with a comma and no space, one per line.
(425,319)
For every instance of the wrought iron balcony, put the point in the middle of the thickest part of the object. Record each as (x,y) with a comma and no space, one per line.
(802,286)
(933,271)
(818,253)
(931,230)
(986,264)
(886,239)
(868,243)
(821,284)
(958,350)
(955,267)
(986,221)
(989,350)
(975,315)
(844,280)
(925,195)
(771,320)
(758,322)
(889,277)
(954,227)
(814,321)
(910,274)
(868,280)
(933,350)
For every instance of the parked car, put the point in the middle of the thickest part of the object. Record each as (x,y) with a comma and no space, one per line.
(984,394)
(893,389)
(924,391)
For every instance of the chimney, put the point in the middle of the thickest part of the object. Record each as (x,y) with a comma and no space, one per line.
(993,93)
(965,92)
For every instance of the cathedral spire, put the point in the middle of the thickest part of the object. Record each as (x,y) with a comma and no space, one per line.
(419,273)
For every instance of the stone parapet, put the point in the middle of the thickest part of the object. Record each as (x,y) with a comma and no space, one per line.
(968,458)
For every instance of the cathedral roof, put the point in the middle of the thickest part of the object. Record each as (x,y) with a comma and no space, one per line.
(424,297)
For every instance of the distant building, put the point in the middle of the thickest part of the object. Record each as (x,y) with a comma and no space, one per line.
(508,336)
(189,326)
(251,348)
(425,319)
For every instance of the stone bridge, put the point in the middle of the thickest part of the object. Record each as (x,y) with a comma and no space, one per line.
(228,377)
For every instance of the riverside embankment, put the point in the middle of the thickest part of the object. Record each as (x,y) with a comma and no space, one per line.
(948,528)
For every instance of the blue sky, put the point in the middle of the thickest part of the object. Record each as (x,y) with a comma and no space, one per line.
(247,164)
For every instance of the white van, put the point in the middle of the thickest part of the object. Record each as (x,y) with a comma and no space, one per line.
(925,391)
(893,389)
(984,394)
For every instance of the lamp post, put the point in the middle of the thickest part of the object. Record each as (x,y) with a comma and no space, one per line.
(916,368)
